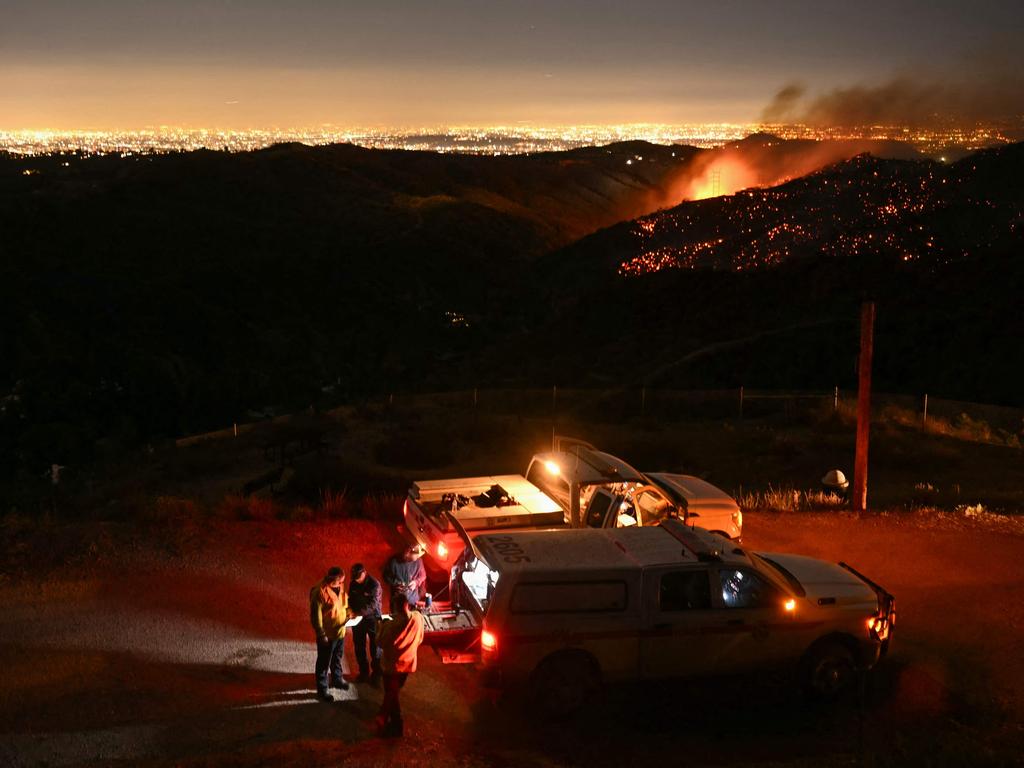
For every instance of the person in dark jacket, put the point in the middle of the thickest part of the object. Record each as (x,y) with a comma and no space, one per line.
(364,600)
(406,575)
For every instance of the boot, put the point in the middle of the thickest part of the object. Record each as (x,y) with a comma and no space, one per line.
(395,729)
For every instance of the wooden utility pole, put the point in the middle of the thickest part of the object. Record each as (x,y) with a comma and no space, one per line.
(860,463)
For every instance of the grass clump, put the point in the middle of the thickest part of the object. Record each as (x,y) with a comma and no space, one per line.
(787,499)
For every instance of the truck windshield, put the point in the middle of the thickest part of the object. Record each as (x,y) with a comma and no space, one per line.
(554,486)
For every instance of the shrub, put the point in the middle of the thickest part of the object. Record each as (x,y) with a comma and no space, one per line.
(382,506)
(334,504)
(246,508)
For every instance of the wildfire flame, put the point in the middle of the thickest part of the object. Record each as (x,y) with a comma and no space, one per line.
(759,163)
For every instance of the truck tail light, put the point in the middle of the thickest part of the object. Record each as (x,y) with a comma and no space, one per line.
(442,551)
(488,641)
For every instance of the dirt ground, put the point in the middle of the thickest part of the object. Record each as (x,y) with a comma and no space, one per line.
(189,645)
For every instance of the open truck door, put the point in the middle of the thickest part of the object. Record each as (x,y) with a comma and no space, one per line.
(452,627)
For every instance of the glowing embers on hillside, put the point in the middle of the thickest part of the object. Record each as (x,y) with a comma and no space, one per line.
(668,257)
(864,208)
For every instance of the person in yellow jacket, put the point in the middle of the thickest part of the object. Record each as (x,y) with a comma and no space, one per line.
(328,612)
(399,640)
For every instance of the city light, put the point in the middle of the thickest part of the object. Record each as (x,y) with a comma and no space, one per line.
(491,140)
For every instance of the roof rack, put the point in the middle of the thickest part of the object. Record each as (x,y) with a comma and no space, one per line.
(701,549)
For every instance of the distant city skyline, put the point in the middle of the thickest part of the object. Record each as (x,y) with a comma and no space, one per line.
(131,64)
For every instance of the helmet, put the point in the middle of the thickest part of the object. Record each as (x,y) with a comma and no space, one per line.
(835,478)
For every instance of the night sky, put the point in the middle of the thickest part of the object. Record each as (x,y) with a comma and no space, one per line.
(74,64)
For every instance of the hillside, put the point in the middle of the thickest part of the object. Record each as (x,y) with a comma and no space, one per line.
(783,271)
(148,297)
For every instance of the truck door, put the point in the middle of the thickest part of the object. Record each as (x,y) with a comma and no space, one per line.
(609,510)
(600,508)
(678,609)
(754,629)
(452,626)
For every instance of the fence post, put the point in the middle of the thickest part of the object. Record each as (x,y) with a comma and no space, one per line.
(924,417)
(474,397)
(235,429)
(741,402)
(835,399)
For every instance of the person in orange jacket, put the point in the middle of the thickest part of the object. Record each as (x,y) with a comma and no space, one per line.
(400,640)
(328,612)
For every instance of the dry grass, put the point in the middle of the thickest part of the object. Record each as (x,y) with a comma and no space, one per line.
(961,427)
(334,504)
(382,506)
(234,507)
(784,499)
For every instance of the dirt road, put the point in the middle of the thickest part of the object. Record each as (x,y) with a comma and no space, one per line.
(196,651)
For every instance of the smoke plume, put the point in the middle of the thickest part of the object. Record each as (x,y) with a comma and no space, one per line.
(989,97)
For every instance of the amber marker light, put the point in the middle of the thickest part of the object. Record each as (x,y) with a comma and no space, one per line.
(789,605)
(488,641)
(442,551)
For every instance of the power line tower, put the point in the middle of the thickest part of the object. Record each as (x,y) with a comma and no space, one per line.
(716,183)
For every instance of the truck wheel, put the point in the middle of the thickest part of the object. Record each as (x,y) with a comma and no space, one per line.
(564,683)
(828,670)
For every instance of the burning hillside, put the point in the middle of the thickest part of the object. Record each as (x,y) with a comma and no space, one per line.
(763,160)
(896,209)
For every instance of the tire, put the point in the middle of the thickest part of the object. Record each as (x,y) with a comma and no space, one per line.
(828,671)
(563,684)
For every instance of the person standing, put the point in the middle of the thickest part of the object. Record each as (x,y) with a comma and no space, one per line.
(328,612)
(406,575)
(364,600)
(400,639)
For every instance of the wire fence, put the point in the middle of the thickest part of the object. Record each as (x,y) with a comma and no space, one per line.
(968,420)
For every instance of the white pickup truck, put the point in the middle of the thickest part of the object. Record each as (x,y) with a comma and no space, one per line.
(562,613)
(573,486)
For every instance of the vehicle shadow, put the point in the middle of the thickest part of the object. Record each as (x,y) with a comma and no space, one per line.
(898,714)
(731,719)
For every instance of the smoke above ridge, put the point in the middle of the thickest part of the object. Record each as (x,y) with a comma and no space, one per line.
(992,97)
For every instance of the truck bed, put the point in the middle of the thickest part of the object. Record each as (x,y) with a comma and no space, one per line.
(531,507)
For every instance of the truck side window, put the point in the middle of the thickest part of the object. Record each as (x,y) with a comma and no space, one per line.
(598,510)
(569,597)
(745,589)
(684,591)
